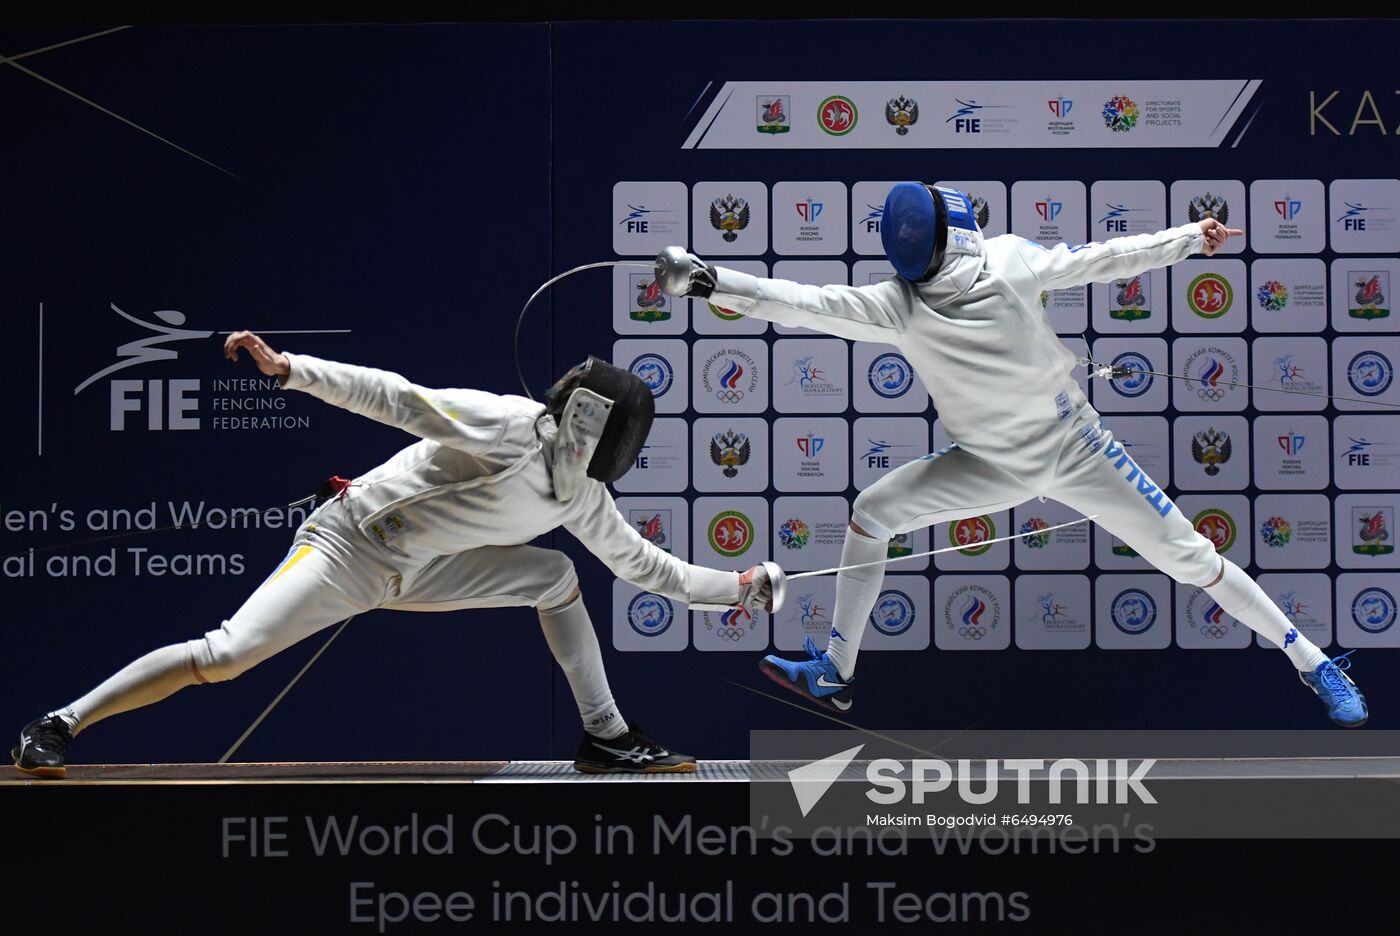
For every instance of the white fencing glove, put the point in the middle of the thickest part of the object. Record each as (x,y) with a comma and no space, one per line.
(683,274)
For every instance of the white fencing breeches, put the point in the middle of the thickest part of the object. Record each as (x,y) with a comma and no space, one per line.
(1092,474)
(330,574)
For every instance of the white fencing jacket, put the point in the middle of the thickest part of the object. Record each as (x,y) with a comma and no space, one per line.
(976,334)
(481,477)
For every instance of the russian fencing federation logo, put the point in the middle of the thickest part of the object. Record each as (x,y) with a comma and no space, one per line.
(650,615)
(891,376)
(893,613)
(1049,209)
(1373,610)
(1133,611)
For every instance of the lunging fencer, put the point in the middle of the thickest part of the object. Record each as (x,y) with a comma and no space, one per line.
(441,526)
(965,311)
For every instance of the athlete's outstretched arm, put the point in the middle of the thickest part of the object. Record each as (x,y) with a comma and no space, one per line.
(861,313)
(1063,266)
(608,535)
(469,420)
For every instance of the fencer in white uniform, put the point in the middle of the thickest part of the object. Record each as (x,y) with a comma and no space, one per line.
(965,311)
(441,526)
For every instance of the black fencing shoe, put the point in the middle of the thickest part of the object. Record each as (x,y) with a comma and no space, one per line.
(630,752)
(41,747)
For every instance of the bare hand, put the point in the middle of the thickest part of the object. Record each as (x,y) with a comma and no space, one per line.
(1217,234)
(270,362)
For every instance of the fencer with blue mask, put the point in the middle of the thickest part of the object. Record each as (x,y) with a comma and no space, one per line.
(965,310)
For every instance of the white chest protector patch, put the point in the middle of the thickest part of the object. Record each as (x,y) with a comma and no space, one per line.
(580,430)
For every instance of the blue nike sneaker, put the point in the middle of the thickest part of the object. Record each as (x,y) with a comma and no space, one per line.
(815,679)
(1345,704)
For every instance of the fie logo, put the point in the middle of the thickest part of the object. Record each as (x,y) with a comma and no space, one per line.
(174,403)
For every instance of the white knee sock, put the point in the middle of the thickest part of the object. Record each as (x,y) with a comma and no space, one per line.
(856,592)
(569,633)
(1246,602)
(148,679)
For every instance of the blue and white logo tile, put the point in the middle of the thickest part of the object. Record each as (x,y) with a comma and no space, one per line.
(1139,392)
(900,619)
(1133,612)
(1363,370)
(1366,610)
(647,622)
(663,365)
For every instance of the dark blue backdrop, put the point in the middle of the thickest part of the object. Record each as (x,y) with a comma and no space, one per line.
(414,184)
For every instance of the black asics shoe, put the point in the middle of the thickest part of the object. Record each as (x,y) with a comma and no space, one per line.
(41,747)
(630,752)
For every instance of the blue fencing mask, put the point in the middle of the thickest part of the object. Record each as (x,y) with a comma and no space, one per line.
(918,221)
